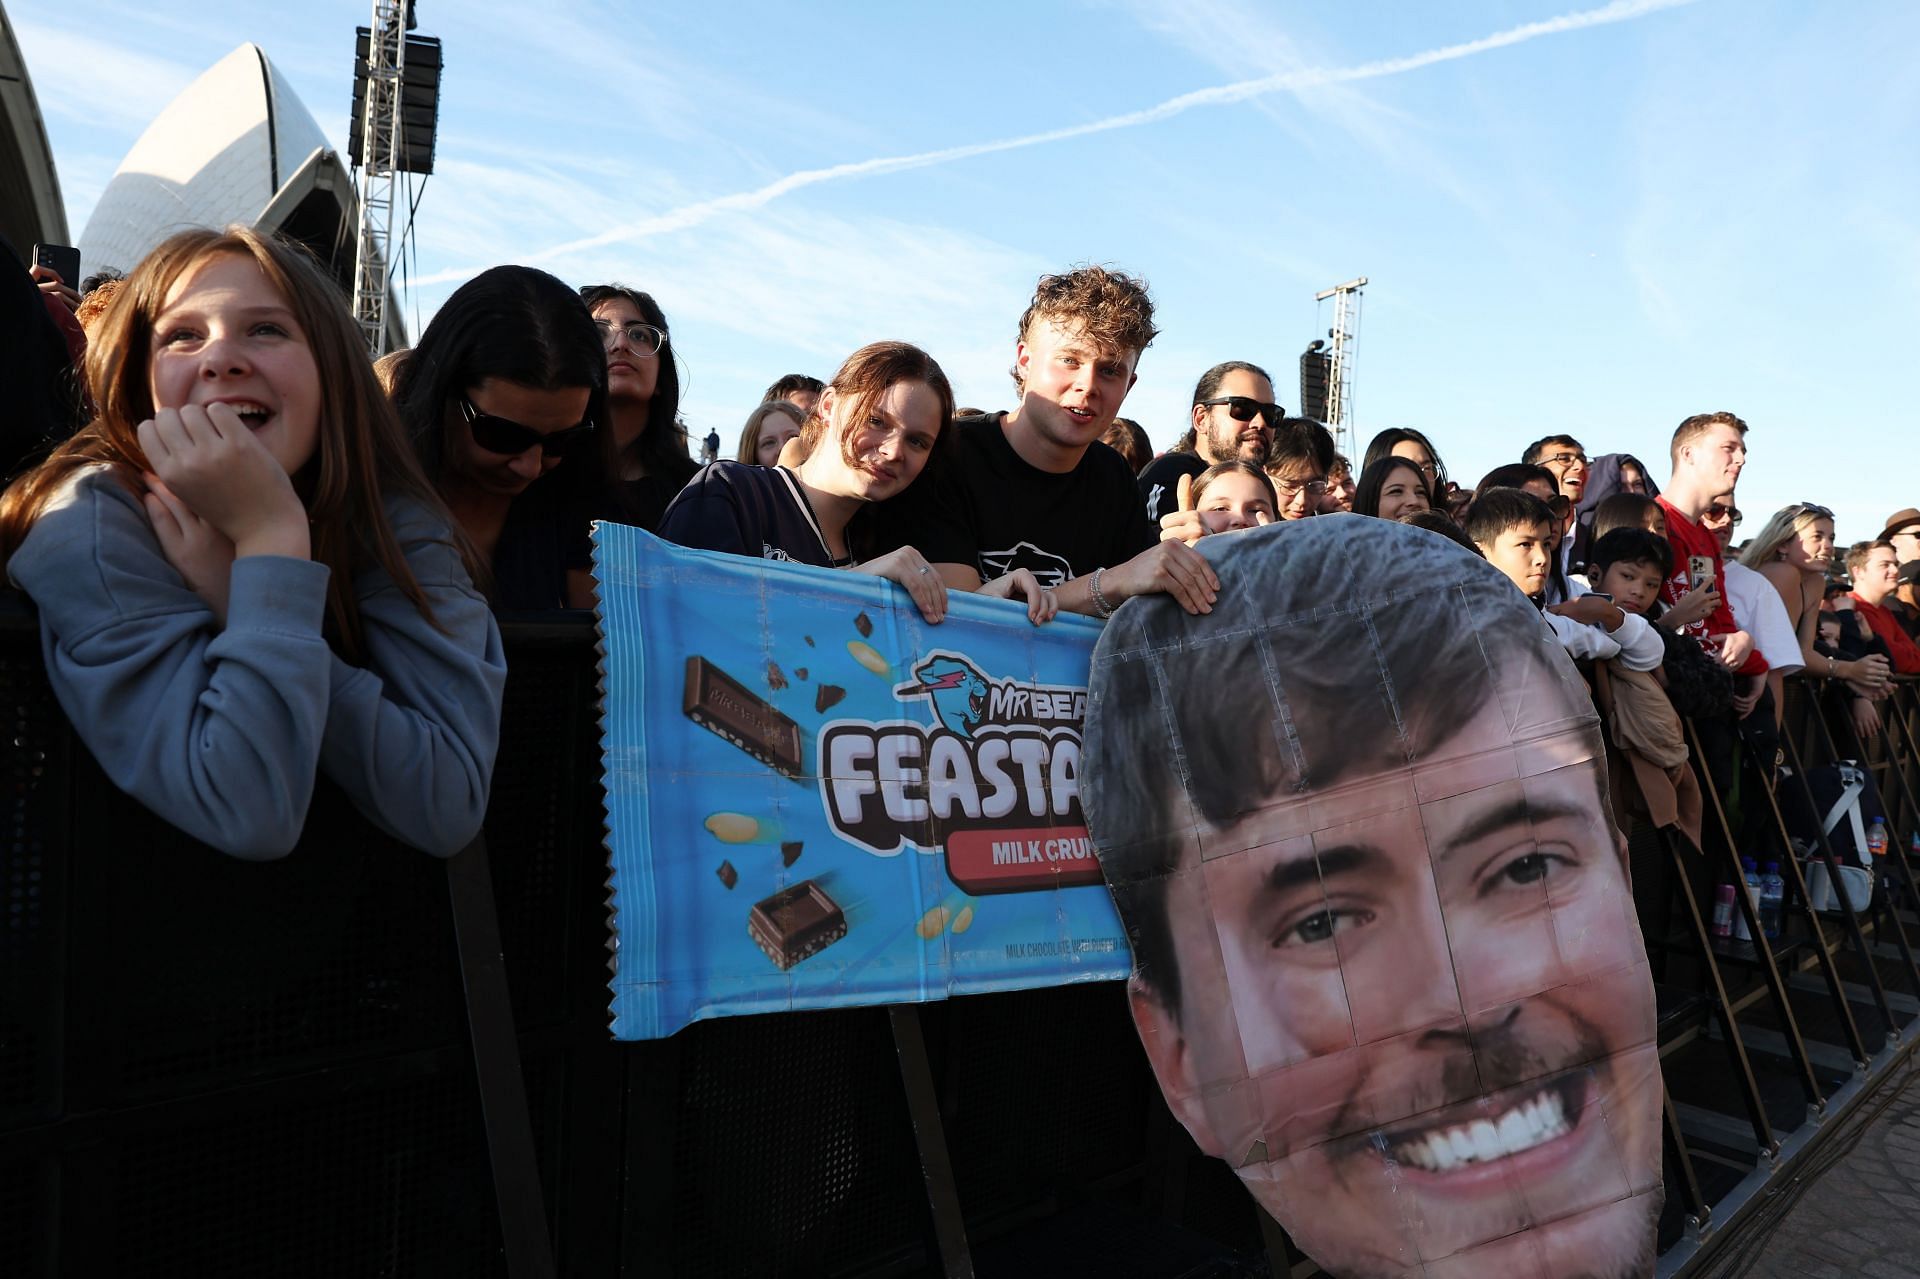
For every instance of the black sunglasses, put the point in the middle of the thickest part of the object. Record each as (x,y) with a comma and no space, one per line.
(1241,408)
(510,439)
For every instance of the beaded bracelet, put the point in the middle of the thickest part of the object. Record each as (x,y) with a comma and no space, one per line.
(1100,605)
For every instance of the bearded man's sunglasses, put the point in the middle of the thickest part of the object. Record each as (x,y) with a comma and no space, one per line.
(1241,408)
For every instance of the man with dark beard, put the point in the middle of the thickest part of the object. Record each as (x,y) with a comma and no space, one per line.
(1386,959)
(1233,417)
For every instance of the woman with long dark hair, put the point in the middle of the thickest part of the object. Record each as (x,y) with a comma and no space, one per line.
(505,399)
(643,400)
(1404,441)
(1392,488)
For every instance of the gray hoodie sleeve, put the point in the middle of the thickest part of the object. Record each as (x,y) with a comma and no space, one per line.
(217,731)
(411,736)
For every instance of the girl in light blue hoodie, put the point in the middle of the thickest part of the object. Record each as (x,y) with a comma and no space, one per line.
(242,575)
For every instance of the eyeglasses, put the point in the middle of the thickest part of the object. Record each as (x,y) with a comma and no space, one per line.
(643,338)
(510,439)
(1809,508)
(1290,489)
(1241,408)
(1721,511)
(1565,459)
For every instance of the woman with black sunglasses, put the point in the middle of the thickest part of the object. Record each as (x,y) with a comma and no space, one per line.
(505,399)
(651,464)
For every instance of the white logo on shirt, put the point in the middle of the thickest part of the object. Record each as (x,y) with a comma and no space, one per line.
(1048,568)
(1153,502)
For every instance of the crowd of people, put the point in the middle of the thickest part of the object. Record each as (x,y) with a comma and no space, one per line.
(258,555)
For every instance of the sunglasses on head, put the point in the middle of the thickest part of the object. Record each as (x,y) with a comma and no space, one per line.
(1241,408)
(510,439)
(1810,508)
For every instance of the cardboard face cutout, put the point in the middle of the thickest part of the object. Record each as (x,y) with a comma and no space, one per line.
(1386,959)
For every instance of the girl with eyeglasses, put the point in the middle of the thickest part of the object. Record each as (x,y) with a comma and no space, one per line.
(649,442)
(879,423)
(505,399)
(243,576)
(1404,441)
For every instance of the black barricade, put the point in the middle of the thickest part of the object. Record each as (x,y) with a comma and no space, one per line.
(214,1067)
(210,1067)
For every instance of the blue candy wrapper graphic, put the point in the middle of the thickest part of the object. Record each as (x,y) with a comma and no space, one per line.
(815,799)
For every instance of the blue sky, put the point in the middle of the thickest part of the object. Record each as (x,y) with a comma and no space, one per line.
(1588,220)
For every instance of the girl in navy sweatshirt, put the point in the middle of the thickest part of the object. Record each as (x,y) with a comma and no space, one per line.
(242,575)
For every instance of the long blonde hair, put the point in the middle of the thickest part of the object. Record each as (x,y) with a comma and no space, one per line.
(361,456)
(1787,523)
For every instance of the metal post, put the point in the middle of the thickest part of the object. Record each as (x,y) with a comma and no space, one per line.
(380,139)
(496,1062)
(1346,326)
(1736,1046)
(1763,953)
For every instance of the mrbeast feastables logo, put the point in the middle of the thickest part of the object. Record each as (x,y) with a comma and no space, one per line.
(992,777)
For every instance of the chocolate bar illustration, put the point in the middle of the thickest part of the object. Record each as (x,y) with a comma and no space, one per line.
(723,706)
(797,922)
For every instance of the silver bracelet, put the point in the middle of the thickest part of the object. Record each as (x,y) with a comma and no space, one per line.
(1100,605)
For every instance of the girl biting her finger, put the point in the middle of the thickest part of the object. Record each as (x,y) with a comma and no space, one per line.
(243,576)
(884,417)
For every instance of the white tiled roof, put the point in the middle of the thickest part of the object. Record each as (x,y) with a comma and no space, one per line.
(216,155)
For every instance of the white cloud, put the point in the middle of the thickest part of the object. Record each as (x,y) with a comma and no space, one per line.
(93,80)
(1296,81)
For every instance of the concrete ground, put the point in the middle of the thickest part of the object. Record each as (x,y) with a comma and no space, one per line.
(1853,1210)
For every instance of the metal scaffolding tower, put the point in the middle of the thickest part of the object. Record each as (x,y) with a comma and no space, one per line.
(379,151)
(1344,334)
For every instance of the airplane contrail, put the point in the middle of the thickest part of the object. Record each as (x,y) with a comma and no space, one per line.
(692,215)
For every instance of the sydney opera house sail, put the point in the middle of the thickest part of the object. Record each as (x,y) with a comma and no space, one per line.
(237,145)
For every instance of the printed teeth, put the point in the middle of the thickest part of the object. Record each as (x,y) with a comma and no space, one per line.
(1534,1122)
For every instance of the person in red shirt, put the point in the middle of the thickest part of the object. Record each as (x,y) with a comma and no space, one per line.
(1875,569)
(1709,449)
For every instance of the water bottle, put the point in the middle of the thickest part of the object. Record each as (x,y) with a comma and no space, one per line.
(1723,910)
(1877,838)
(1751,873)
(1773,899)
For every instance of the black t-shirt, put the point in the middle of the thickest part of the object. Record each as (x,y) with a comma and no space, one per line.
(984,506)
(746,510)
(1160,482)
(548,531)
(645,500)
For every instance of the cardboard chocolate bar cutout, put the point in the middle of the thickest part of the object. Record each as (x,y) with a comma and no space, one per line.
(1386,962)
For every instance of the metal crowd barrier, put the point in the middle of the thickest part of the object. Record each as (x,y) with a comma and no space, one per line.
(363,1061)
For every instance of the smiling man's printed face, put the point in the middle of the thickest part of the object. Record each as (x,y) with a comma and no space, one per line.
(1402,990)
